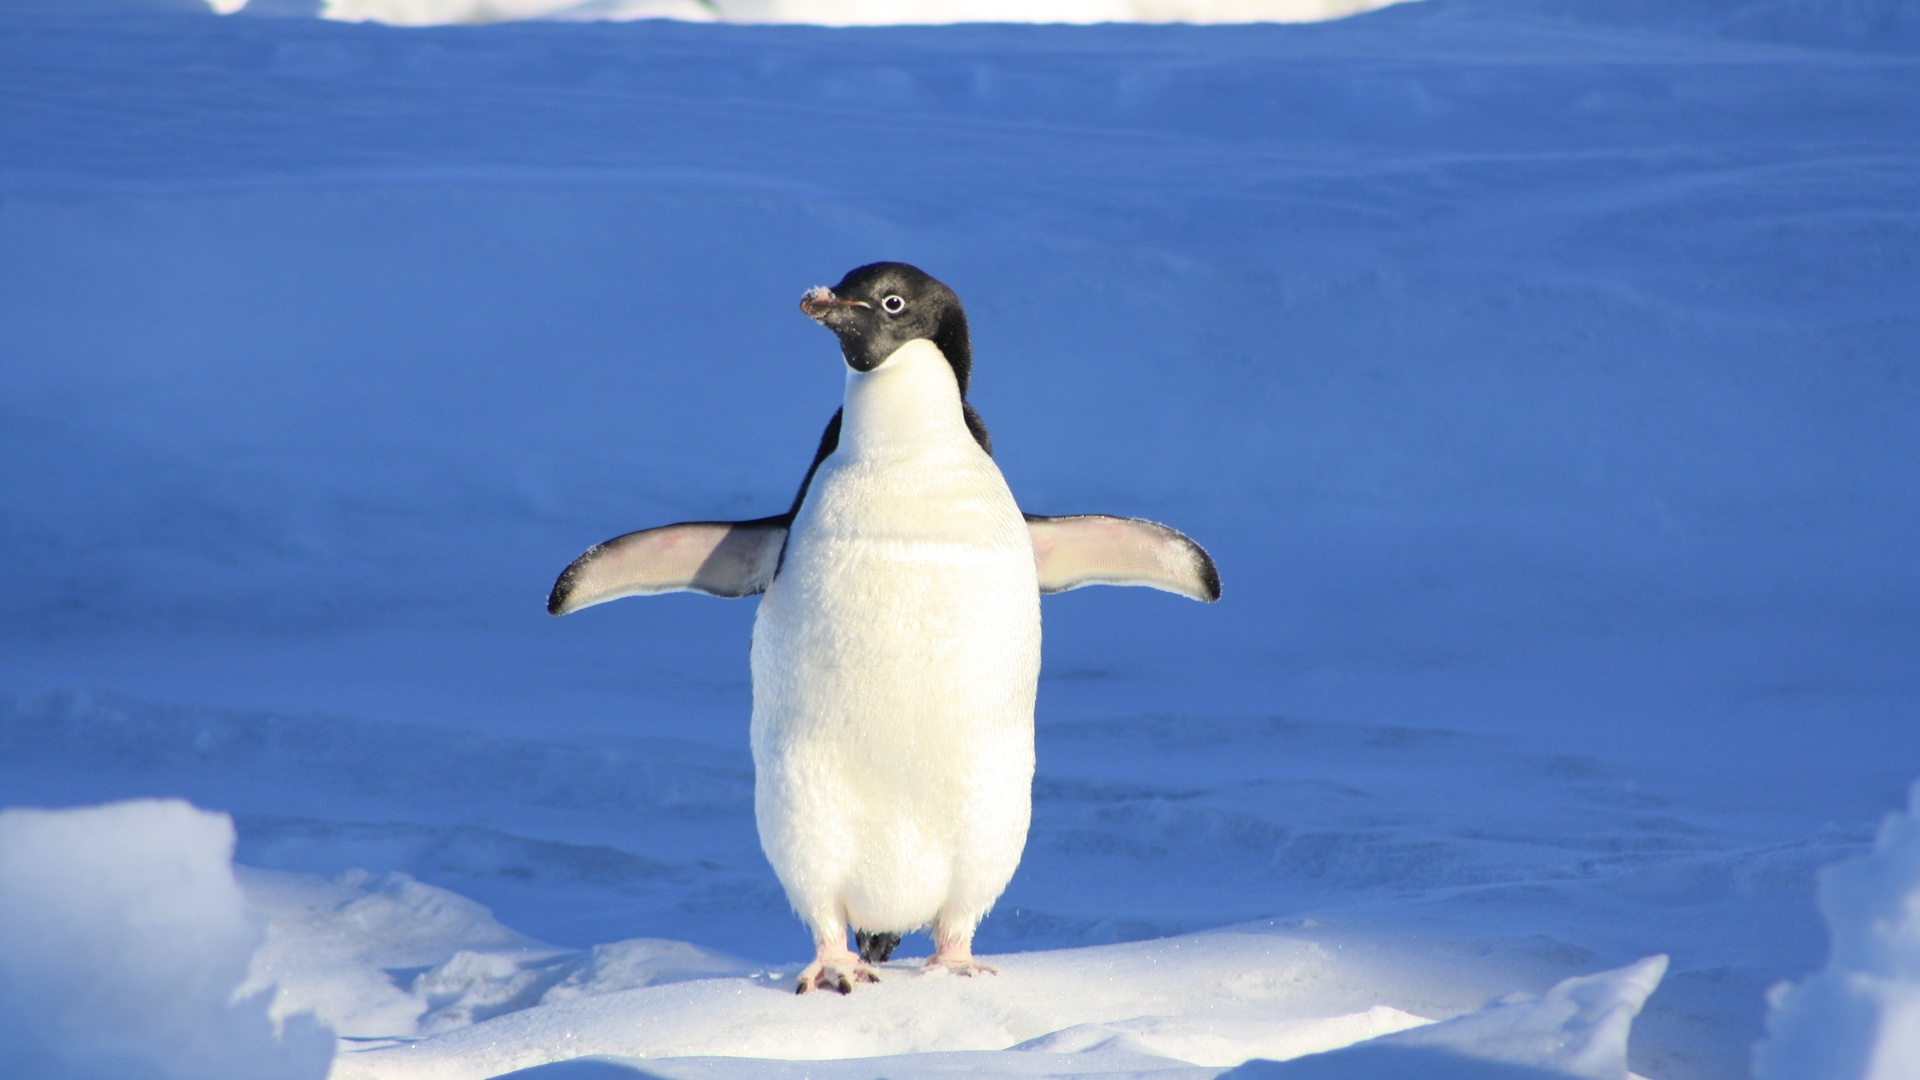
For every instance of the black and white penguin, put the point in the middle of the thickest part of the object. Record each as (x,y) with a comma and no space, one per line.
(896,652)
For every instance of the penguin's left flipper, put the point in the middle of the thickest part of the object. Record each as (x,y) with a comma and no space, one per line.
(1093,549)
(719,558)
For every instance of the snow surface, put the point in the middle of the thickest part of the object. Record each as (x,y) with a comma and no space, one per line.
(1539,374)
(123,938)
(820,12)
(1577,1029)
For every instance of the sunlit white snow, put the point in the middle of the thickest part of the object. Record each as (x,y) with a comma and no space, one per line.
(836,12)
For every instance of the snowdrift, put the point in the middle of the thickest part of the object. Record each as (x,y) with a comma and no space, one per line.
(1142,1010)
(130,950)
(818,12)
(1859,1017)
(1874,23)
(124,941)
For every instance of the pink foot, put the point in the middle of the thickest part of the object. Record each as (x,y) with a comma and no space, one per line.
(841,972)
(960,963)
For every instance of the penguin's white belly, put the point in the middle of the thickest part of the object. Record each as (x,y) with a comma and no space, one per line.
(895,659)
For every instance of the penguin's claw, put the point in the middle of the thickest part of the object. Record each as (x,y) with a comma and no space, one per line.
(840,974)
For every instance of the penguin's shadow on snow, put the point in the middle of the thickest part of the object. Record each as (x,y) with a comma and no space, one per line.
(1360,1062)
(1387,1062)
(581,1069)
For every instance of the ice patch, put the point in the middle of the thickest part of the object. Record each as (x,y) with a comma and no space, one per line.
(123,941)
(1859,1017)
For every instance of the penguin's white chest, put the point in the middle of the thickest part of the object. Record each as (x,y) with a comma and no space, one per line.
(895,659)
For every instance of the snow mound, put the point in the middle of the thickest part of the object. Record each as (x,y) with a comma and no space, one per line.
(1105,1062)
(1577,1029)
(1859,1017)
(123,940)
(1203,1002)
(831,12)
(384,957)
(1226,1036)
(630,965)
(1183,1007)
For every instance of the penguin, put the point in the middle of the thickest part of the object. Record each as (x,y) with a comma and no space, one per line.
(896,650)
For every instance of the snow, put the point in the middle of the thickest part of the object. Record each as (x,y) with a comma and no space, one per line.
(1577,1029)
(507,1005)
(123,939)
(379,956)
(826,12)
(1195,1000)
(1860,1015)
(1539,375)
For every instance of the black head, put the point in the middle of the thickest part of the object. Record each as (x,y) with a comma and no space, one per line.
(881,306)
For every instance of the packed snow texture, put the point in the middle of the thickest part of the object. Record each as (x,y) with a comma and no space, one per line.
(497,1003)
(1539,373)
(124,941)
(1576,1030)
(819,12)
(1859,1017)
(378,956)
(375,956)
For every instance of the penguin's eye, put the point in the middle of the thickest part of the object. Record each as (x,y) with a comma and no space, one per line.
(893,305)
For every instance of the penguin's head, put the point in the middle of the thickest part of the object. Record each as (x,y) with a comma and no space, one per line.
(881,306)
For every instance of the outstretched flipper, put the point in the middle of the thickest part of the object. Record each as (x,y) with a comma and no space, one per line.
(1093,549)
(719,558)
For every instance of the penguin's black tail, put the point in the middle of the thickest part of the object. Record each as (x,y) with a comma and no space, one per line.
(875,948)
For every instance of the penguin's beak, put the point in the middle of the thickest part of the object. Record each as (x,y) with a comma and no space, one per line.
(819,302)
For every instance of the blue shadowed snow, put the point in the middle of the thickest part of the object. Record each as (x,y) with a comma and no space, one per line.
(1541,377)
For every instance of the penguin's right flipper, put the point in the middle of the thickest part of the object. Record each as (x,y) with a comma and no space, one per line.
(1094,549)
(719,558)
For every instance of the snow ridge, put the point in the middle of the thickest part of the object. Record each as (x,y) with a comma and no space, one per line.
(830,12)
(1858,1018)
(124,943)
